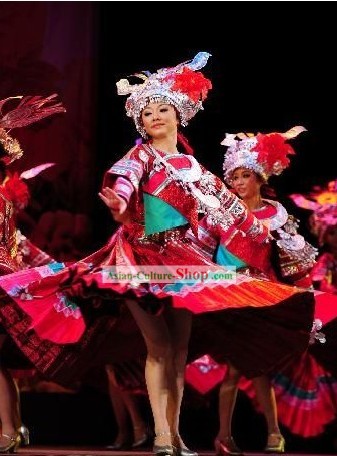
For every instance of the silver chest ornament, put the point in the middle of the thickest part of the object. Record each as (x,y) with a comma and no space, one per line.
(186,178)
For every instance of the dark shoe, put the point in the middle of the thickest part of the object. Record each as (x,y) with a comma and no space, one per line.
(275,444)
(185,452)
(180,448)
(163,450)
(143,441)
(118,446)
(227,447)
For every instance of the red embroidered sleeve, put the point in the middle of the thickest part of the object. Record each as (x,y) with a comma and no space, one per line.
(130,167)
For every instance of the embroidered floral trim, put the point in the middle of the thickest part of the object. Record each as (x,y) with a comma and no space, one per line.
(20,291)
(205,364)
(67,307)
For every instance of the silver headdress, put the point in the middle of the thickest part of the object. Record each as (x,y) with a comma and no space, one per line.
(181,86)
(265,154)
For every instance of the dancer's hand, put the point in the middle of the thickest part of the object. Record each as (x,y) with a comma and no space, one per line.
(115,203)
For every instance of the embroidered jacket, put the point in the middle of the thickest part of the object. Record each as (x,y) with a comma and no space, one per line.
(184,187)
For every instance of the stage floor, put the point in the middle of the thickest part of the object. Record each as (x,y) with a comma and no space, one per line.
(95,451)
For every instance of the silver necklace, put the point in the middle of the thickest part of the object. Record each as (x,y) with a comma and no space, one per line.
(185,178)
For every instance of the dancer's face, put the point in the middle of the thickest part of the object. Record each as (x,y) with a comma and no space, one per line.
(246,183)
(160,120)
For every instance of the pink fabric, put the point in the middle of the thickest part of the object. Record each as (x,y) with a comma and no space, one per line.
(49,318)
(326,306)
(123,188)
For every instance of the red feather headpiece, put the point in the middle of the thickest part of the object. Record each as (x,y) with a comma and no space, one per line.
(265,154)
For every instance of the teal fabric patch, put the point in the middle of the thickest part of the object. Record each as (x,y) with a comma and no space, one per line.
(56,267)
(225,258)
(160,216)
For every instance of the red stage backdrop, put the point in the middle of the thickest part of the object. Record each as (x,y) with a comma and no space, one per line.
(48,47)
